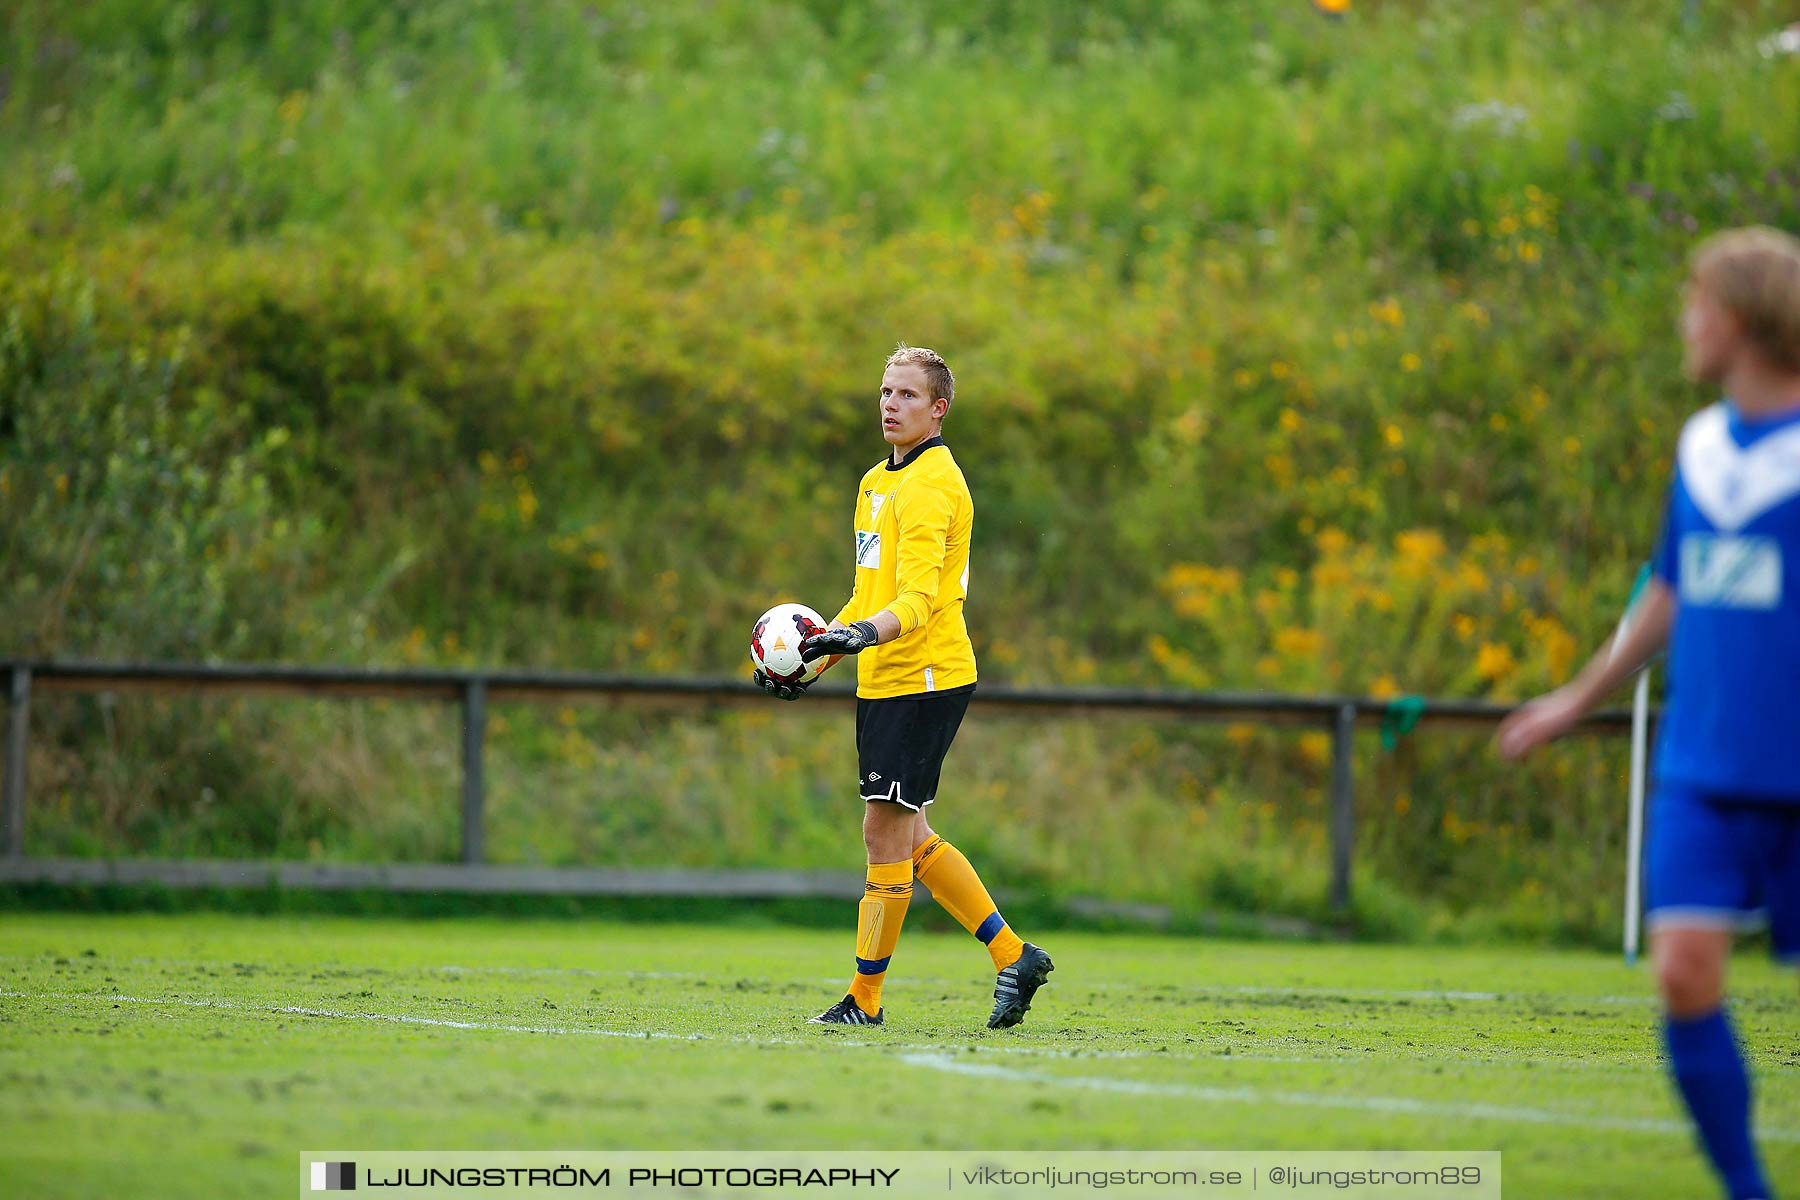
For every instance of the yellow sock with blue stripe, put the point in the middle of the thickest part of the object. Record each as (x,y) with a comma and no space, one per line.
(878,919)
(959,889)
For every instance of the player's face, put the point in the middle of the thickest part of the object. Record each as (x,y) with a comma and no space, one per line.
(1709,337)
(908,413)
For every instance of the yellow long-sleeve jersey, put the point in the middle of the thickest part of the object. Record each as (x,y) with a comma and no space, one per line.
(913,524)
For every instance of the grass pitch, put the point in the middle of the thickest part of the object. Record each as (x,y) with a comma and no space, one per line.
(197,1054)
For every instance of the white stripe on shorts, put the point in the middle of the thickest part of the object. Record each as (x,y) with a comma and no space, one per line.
(1695,916)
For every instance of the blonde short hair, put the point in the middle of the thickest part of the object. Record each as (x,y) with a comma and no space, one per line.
(937,372)
(1755,274)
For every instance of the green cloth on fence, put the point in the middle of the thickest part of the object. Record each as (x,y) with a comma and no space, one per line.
(1399,718)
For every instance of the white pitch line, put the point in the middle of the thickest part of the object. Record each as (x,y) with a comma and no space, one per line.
(1561,1000)
(925,1054)
(1218,1057)
(300,1010)
(594,1031)
(1223,1055)
(932,1057)
(1373,1104)
(1223,989)
(641,1035)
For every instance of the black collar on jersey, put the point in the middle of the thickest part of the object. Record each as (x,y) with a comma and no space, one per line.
(936,439)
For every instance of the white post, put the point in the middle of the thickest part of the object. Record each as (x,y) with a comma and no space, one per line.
(1634,832)
(1640,740)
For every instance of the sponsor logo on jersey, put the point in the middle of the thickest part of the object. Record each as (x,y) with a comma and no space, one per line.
(1724,571)
(868,548)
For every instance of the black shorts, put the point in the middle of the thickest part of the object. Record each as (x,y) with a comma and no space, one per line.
(901,743)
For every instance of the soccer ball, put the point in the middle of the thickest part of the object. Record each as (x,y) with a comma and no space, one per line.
(775,643)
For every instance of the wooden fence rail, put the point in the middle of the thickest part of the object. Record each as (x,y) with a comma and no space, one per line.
(475,690)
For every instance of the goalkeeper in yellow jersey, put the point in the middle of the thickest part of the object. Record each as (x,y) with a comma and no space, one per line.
(915,674)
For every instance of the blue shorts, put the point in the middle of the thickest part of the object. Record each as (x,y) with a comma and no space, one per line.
(1730,864)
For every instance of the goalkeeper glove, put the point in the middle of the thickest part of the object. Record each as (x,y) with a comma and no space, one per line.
(776,688)
(852,639)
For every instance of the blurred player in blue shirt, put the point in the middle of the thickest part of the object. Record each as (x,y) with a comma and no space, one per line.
(1725,599)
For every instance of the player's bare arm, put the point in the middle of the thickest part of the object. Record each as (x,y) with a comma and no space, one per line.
(1553,714)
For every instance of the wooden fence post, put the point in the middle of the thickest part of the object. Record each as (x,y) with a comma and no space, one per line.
(474,733)
(1343,804)
(18,733)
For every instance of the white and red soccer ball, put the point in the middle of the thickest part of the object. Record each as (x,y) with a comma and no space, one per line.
(775,643)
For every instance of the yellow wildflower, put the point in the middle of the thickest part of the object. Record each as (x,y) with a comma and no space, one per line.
(1388,312)
(1316,747)
(1494,661)
(1295,642)
(292,108)
(1420,546)
(1559,651)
